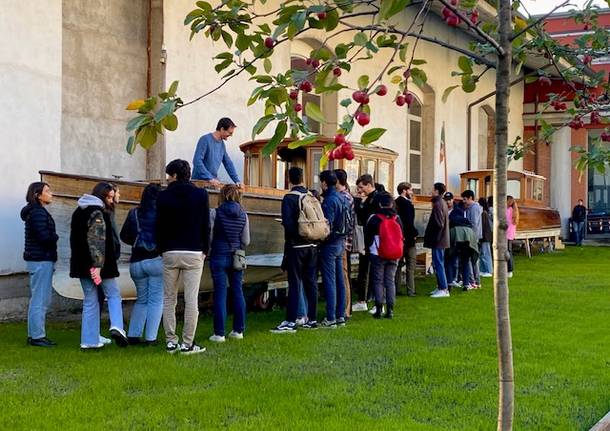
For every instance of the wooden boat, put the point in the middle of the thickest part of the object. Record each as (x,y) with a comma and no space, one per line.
(536,219)
(265,183)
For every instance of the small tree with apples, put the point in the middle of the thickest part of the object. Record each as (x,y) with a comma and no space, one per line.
(502,44)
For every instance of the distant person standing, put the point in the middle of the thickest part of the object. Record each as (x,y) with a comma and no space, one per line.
(343,189)
(579,216)
(473,214)
(485,261)
(512,219)
(183,237)
(406,213)
(211,152)
(40,255)
(436,238)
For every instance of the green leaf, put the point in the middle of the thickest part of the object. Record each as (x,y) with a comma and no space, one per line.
(384,9)
(242,42)
(131,145)
(394,69)
(226,36)
(137,122)
(417,62)
(146,137)
(172,89)
(468,83)
(402,53)
(280,133)
(341,50)
(360,39)
(223,65)
(397,7)
(332,19)
(346,102)
(531,79)
(167,108)
(313,111)
(171,122)
(419,77)
(465,64)
(363,82)
(308,140)
(447,92)
(372,135)
(261,124)
(267,65)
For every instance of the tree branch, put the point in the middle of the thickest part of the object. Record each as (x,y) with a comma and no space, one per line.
(474,27)
(539,20)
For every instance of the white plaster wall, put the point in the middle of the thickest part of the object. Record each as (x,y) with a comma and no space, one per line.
(561,180)
(192,64)
(30,112)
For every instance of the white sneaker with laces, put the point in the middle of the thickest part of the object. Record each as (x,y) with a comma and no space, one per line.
(105,340)
(285,327)
(435,291)
(486,274)
(236,335)
(301,321)
(360,306)
(92,346)
(217,338)
(441,294)
(193,349)
(374,309)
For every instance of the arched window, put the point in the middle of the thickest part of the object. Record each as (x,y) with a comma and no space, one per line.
(414,145)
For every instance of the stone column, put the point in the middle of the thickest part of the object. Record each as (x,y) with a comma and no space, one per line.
(561,180)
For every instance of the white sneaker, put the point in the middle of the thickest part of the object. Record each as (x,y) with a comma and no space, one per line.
(105,340)
(374,309)
(301,321)
(360,306)
(236,335)
(454,283)
(193,349)
(435,291)
(92,346)
(486,274)
(441,294)
(510,275)
(217,338)
(119,336)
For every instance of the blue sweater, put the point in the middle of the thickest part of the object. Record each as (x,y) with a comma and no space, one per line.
(333,207)
(209,154)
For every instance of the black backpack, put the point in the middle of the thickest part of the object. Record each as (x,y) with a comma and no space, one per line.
(348,219)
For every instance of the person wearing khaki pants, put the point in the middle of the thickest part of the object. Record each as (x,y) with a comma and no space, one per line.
(189,267)
(183,238)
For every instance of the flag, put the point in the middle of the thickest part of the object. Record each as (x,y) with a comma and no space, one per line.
(441,155)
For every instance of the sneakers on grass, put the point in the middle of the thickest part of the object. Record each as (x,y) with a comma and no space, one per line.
(360,306)
(285,327)
(105,340)
(509,274)
(92,346)
(434,292)
(328,324)
(341,321)
(193,349)
(236,335)
(312,324)
(301,321)
(217,338)
(441,294)
(486,274)
(119,336)
(172,347)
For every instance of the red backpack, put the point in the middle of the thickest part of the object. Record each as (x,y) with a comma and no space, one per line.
(390,238)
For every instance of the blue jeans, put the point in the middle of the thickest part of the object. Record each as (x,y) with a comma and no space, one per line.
(485,262)
(302,274)
(383,272)
(579,231)
(41,285)
(147,275)
(451,266)
(221,267)
(90,330)
(331,267)
(438,260)
(302,308)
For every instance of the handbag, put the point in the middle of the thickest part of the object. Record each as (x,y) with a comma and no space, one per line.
(239,260)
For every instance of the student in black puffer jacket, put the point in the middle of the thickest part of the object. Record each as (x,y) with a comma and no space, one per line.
(40,255)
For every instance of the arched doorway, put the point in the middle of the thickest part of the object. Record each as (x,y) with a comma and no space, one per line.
(486,137)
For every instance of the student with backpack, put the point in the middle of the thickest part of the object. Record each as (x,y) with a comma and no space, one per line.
(337,212)
(304,227)
(145,268)
(384,239)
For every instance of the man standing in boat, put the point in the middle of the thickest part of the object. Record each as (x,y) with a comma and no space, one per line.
(211,152)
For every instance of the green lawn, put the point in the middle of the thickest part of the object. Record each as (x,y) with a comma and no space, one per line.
(431,368)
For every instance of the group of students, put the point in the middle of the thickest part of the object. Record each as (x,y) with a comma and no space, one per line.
(459,233)
(173,230)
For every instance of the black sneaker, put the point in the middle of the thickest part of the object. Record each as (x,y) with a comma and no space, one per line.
(341,321)
(119,336)
(310,325)
(172,347)
(133,341)
(285,327)
(193,349)
(328,324)
(151,343)
(40,342)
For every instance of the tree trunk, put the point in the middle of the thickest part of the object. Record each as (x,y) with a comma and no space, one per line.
(503,333)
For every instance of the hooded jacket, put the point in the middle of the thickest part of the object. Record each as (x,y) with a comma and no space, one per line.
(92,240)
(40,236)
